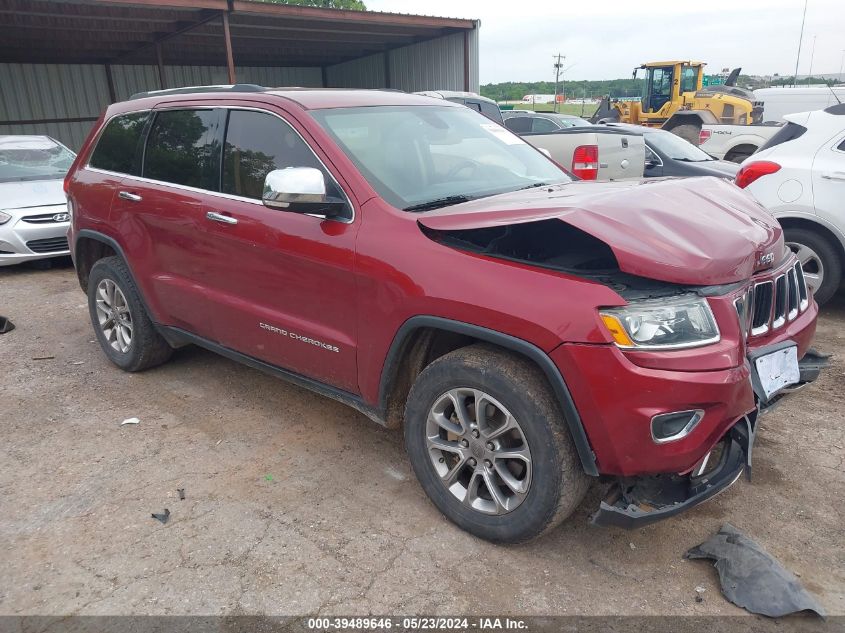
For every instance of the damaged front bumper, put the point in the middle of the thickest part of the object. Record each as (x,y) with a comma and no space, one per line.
(634,502)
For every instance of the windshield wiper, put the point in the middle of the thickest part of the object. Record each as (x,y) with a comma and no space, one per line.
(438,203)
(533,186)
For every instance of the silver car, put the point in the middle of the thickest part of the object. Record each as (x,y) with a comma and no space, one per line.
(33,210)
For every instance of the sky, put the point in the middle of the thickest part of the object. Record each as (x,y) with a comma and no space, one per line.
(607,39)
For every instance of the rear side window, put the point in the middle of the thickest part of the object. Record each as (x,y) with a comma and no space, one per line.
(540,125)
(119,144)
(518,124)
(788,132)
(256,144)
(491,111)
(181,148)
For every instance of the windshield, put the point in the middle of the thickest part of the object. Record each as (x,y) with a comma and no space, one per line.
(33,158)
(422,157)
(677,148)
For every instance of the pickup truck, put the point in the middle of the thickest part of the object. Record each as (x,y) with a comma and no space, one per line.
(597,153)
(530,334)
(734,142)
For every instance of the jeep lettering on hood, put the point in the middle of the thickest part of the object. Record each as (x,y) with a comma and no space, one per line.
(695,231)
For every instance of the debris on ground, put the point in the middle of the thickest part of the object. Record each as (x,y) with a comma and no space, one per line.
(43,357)
(751,578)
(161,516)
(699,591)
(131,421)
(6,325)
(268,477)
(632,546)
(181,492)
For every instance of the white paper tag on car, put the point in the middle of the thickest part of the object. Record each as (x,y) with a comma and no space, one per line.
(778,370)
(503,134)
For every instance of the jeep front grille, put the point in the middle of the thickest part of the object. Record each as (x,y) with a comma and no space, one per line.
(774,301)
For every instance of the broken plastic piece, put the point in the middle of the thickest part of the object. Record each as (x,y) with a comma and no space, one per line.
(6,325)
(162,516)
(181,492)
(751,578)
(130,421)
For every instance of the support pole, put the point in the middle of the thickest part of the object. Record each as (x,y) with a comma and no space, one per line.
(110,84)
(466,61)
(160,63)
(230,60)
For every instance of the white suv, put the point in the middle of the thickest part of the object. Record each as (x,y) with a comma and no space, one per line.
(799,176)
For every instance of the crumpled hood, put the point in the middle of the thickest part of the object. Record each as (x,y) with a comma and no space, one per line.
(698,231)
(32,193)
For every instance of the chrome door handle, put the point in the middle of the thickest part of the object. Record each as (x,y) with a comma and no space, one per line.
(132,197)
(219,217)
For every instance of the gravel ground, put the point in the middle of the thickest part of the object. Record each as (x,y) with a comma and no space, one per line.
(296,504)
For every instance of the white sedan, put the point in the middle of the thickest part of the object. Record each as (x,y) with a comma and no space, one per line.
(33,209)
(799,176)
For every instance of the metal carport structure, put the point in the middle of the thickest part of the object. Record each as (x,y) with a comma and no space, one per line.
(63,61)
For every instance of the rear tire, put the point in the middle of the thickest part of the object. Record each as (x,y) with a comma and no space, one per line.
(124,330)
(549,473)
(820,259)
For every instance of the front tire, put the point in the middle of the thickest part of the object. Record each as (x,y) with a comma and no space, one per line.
(124,330)
(820,259)
(507,471)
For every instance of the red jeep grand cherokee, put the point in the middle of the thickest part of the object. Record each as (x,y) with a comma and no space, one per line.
(410,258)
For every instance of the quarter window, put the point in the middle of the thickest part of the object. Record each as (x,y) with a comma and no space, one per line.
(117,149)
(539,125)
(256,144)
(181,149)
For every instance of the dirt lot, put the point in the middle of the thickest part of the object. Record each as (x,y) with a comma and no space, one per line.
(298,505)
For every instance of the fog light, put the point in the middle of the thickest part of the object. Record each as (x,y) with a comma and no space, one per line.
(668,427)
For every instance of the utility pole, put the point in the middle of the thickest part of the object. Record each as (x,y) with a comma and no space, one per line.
(558,67)
(800,38)
(812,55)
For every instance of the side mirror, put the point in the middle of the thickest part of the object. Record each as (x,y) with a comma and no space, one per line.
(300,190)
(545,152)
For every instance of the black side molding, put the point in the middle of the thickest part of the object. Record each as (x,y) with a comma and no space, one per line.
(399,347)
(177,336)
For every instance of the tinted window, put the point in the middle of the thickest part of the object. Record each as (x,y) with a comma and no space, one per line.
(841,146)
(256,144)
(117,149)
(181,148)
(518,124)
(542,126)
(788,132)
(491,111)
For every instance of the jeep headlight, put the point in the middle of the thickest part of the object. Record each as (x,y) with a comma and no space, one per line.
(4,217)
(655,324)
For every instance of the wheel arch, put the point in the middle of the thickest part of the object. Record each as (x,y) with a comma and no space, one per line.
(91,246)
(422,339)
(820,226)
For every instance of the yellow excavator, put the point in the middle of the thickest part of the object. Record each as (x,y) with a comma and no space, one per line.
(674,98)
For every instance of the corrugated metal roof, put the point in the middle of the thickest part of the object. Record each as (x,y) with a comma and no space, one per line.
(263,34)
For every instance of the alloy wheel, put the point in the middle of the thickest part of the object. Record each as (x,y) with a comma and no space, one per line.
(113,315)
(811,263)
(479,451)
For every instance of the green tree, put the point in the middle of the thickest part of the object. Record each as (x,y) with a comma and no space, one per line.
(353,5)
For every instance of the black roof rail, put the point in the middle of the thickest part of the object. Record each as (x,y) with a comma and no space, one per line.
(200,89)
